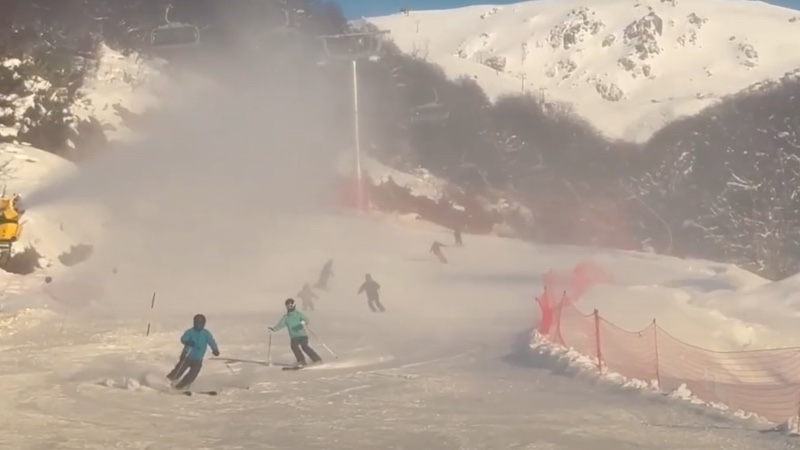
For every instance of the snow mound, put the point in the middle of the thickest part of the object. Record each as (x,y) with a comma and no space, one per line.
(155,381)
(14,322)
(146,381)
(627,67)
(770,305)
(130,384)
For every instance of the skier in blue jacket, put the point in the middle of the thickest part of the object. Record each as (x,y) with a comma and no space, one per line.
(195,342)
(295,322)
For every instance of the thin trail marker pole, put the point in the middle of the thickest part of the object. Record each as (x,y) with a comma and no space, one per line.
(152,306)
(269,350)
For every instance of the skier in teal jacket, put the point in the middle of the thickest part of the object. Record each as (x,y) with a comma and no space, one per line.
(196,341)
(295,322)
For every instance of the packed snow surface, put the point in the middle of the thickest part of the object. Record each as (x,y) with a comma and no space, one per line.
(628,67)
(447,366)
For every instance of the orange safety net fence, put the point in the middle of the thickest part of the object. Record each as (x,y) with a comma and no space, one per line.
(763,382)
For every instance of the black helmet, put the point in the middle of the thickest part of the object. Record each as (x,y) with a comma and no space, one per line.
(199,321)
(289,304)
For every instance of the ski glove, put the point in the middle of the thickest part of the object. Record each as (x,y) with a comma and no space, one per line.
(190,343)
(215,352)
(303,322)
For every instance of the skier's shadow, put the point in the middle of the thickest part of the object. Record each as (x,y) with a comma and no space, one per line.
(250,361)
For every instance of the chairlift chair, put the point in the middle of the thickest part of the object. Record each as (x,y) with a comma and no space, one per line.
(174,34)
(370,46)
(430,113)
(290,25)
(296,17)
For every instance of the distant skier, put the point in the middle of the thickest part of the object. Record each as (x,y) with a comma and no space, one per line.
(307,296)
(295,322)
(436,249)
(324,275)
(373,297)
(195,341)
(457,236)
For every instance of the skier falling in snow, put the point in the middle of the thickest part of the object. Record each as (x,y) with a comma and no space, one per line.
(195,341)
(371,287)
(295,322)
(307,296)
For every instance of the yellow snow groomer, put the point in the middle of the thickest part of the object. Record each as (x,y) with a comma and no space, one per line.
(11,212)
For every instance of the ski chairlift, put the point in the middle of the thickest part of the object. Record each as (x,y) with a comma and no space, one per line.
(11,211)
(430,113)
(339,47)
(174,34)
(293,19)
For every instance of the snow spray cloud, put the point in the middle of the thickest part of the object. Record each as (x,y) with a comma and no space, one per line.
(223,182)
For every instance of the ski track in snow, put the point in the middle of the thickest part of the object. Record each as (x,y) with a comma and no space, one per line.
(456,394)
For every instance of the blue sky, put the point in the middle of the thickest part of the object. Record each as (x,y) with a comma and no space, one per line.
(358,8)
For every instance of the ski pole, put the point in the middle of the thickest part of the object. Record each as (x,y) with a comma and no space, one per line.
(322,343)
(269,350)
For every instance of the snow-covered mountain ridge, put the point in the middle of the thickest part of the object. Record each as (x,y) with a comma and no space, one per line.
(627,67)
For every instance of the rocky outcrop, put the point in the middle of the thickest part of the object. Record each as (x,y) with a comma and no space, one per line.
(642,36)
(579,24)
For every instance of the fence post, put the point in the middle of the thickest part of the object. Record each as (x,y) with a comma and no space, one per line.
(597,340)
(658,362)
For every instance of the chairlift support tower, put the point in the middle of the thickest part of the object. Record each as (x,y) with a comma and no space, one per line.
(371,51)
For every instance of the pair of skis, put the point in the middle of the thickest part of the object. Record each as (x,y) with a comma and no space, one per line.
(190,393)
(300,366)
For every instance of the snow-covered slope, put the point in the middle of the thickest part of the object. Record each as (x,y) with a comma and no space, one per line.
(628,67)
(434,369)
